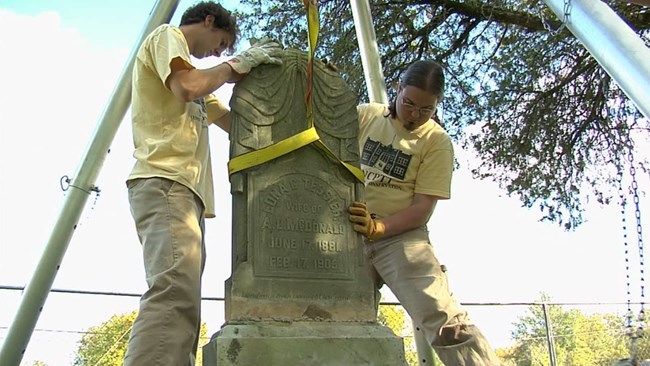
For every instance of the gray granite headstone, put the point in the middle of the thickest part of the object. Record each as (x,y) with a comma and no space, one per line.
(298,272)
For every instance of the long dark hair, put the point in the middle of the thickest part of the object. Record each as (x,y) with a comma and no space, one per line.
(424,74)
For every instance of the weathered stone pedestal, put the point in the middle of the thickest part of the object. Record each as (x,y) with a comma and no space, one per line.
(300,292)
(302,344)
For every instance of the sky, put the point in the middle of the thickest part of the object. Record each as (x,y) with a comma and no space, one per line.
(65,58)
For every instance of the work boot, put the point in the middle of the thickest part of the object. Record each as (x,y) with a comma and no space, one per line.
(464,345)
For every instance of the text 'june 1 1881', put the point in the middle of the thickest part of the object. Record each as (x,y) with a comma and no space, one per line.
(330,246)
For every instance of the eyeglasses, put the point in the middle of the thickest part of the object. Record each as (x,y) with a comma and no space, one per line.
(421,110)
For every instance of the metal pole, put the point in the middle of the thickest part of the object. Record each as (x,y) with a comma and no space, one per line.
(620,51)
(369,51)
(549,335)
(82,185)
(423,348)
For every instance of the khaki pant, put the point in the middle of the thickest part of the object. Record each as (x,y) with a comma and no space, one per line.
(170,224)
(407,264)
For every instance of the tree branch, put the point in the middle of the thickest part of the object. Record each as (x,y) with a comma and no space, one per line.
(479,10)
(528,21)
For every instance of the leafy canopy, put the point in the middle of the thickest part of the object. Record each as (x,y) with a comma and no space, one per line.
(544,119)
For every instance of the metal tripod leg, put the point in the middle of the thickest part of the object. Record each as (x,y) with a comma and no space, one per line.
(425,352)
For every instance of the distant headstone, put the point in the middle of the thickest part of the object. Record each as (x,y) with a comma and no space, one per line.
(299,292)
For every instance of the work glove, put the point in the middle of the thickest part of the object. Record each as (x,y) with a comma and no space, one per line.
(262,52)
(373,229)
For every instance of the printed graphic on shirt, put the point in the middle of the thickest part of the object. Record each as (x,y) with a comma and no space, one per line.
(390,161)
(200,114)
(380,180)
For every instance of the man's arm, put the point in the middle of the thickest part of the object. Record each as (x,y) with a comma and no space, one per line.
(223,122)
(188,84)
(416,215)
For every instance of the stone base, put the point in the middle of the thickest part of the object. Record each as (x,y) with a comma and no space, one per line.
(304,344)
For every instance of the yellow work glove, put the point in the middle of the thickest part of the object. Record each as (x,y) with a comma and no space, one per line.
(262,52)
(363,223)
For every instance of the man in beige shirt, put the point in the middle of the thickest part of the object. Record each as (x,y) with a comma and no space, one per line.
(407,159)
(170,186)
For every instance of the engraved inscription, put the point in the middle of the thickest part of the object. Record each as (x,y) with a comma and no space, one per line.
(301,225)
(302,229)
(306,184)
(319,245)
(302,263)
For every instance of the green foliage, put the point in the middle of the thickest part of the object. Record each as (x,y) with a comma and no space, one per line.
(105,344)
(545,120)
(579,339)
(394,317)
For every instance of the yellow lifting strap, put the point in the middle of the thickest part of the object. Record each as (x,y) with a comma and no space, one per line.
(271,152)
(303,138)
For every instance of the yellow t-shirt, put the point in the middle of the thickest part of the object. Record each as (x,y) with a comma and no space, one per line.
(170,136)
(398,163)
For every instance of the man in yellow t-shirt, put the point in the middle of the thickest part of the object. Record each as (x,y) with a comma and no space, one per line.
(407,159)
(170,186)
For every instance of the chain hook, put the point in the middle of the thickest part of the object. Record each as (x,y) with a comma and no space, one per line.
(65,180)
(565,18)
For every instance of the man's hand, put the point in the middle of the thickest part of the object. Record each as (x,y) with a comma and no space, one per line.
(364,223)
(262,52)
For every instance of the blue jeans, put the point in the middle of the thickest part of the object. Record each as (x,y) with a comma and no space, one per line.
(169,220)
